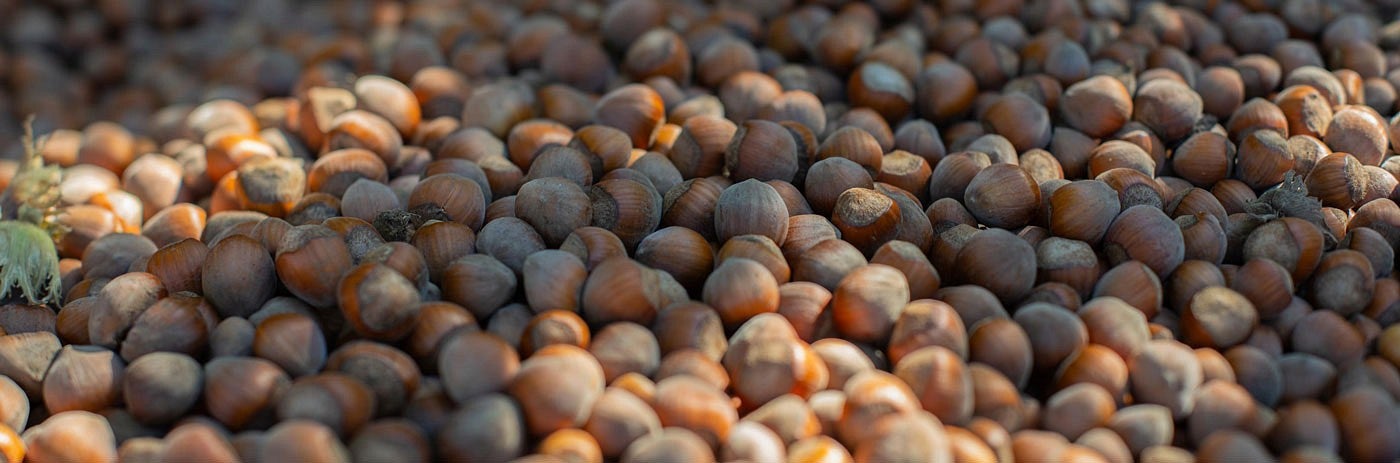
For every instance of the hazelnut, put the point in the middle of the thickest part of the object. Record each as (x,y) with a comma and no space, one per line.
(509,240)
(302,440)
(659,52)
(628,208)
(242,391)
(1166,373)
(1358,132)
(478,282)
(940,380)
(441,243)
(179,323)
(867,301)
(739,289)
(552,327)
(548,401)
(390,374)
(593,245)
(1307,110)
(953,174)
(337,401)
(1024,122)
(161,387)
(866,218)
(759,249)
(621,289)
(1218,317)
(921,138)
(1134,283)
(1169,108)
(750,207)
(634,109)
(700,149)
(488,427)
(83,378)
(293,341)
(1083,210)
(71,436)
(306,263)
(460,197)
(625,347)
(1343,282)
(854,144)
(1293,243)
(1003,196)
(174,223)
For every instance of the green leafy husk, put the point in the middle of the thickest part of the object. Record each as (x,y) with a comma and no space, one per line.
(1291,199)
(29,263)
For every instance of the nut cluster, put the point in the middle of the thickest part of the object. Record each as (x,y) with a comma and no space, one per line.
(674,230)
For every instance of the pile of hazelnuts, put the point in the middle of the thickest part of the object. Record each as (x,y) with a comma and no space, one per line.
(681,230)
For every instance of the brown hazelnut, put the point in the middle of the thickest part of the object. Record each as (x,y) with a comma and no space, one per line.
(83,378)
(120,303)
(866,218)
(760,249)
(1097,106)
(242,391)
(1307,110)
(461,198)
(293,341)
(1166,373)
(1134,188)
(659,52)
(1359,132)
(441,243)
(71,436)
(750,207)
(881,87)
(160,387)
(179,323)
(478,282)
(867,301)
(593,245)
(378,301)
(1343,282)
(1218,317)
(367,130)
(556,387)
(174,223)
(335,400)
(621,289)
(635,109)
(1359,412)
(309,262)
(1203,159)
(1083,210)
(1134,283)
(552,327)
(1127,239)
(739,289)
(1293,243)
(1003,196)
(509,240)
(630,209)
(854,144)
(625,347)
(302,440)
(489,427)
(391,374)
